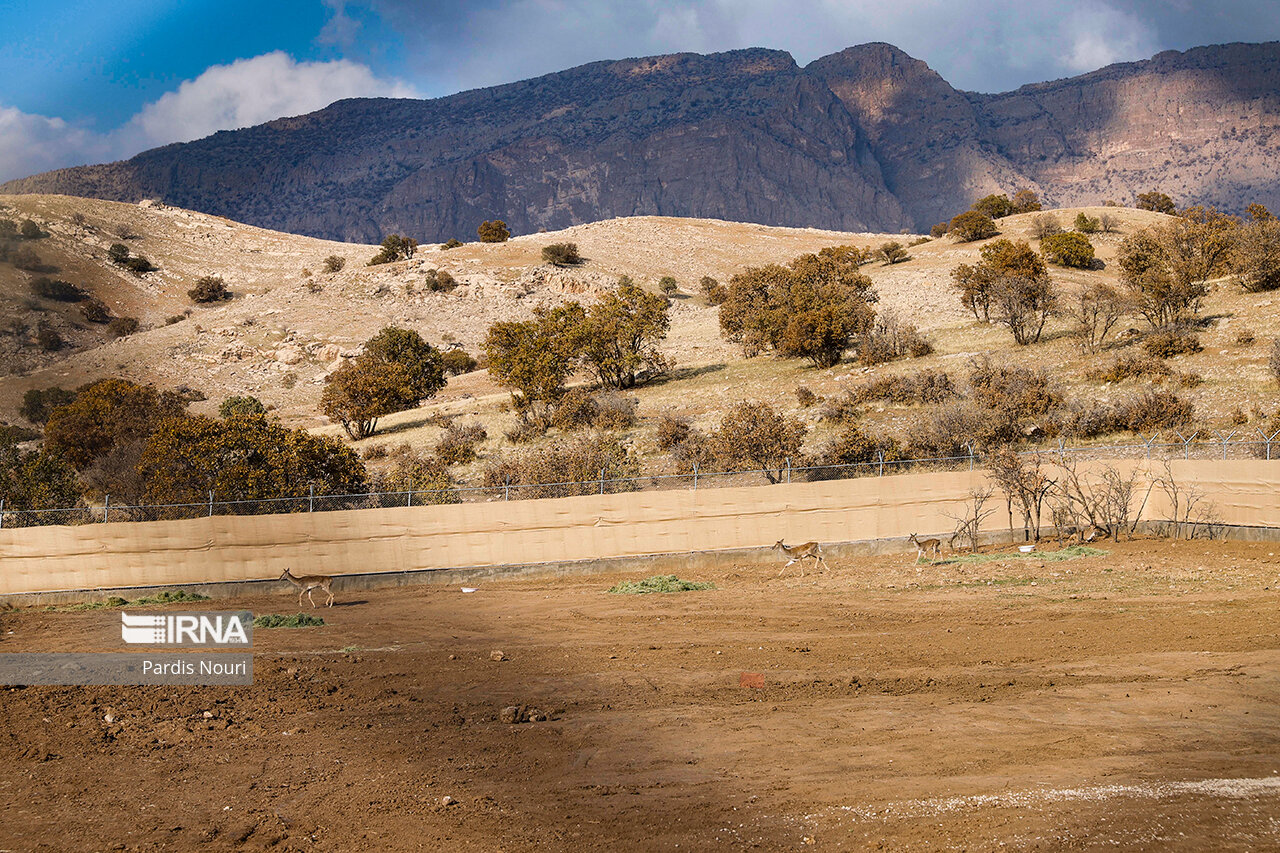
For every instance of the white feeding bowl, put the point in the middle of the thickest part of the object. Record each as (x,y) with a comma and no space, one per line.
(468,589)
(1026,549)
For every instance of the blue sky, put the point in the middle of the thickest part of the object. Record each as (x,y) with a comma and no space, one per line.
(92,81)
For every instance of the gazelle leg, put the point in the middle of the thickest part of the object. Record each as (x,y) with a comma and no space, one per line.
(309,598)
(299,597)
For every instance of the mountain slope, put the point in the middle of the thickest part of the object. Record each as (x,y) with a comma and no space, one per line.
(865,139)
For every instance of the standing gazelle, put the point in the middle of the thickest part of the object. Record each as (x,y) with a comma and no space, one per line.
(308,583)
(800,552)
(923,546)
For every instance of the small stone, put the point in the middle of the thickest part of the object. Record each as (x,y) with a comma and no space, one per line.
(510,715)
(453,657)
(208,715)
(497,656)
(109,718)
(447,801)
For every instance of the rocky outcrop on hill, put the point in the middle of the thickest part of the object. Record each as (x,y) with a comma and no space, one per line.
(868,139)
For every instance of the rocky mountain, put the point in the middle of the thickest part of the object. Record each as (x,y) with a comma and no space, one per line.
(865,139)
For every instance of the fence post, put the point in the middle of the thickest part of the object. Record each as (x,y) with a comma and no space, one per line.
(602,481)
(695,473)
(969,447)
(880,453)
(211,503)
(1268,441)
(311,498)
(788,469)
(1,513)
(1224,441)
(409,500)
(106,508)
(506,488)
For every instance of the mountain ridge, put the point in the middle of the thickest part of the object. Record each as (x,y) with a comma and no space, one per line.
(868,138)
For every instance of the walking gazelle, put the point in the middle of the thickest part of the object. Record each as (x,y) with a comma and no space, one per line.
(800,553)
(308,583)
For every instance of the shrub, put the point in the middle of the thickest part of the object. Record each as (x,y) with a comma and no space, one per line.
(95,312)
(118,253)
(61,291)
(805,397)
(1085,225)
(945,431)
(852,447)
(615,412)
(1069,249)
(1257,256)
(993,206)
(922,387)
(8,229)
(1018,390)
(1171,342)
(1154,200)
(576,409)
(451,243)
(395,247)
(841,409)
(753,435)
(236,406)
(1131,367)
(35,480)
(658,584)
(1108,224)
(970,226)
(458,444)
(279,620)
(1045,225)
(713,290)
(209,288)
(891,339)
(672,430)
(561,254)
(440,281)
(1157,410)
(1025,201)
(30,230)
(524,431)
(47,338)
(1096,309)
(334,263)
(14,434)
(39,403)
(1245,337)
(26,259)
(619,336)
(493,231)
(583,465)
(892,252)
(668,285)
(123,327)
(457,362)
(814,308)
(939,230)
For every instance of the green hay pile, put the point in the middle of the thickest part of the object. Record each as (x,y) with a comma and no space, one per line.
(180,596)
(658,583)
(277,620)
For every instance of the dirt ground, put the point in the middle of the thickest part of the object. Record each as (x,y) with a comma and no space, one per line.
(1128,700)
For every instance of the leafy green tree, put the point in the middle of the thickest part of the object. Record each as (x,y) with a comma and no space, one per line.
(534,357)
(30,230)
(244,458)
(621,334)
(451,243)
(457,362)
(36,480)
(1167,267)
(238,406)
(493,231)
(118,253)
(106,414)
(363,390)
(334,263)
(939,230)
(209,288)
(754,435)
(395,247)
(1025,201)
(712,290)
(893,252)
(423,364)
(1257,257)
(993,206)
(1086,224)
(39,403)
(970,226)
(668,285)
(1156,201)
(1068,249)
(561,254)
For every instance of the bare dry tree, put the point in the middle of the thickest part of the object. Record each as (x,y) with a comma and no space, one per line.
(1191,513)
(1024,484)
(969,522)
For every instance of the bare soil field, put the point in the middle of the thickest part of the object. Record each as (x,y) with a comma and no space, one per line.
(1130,700)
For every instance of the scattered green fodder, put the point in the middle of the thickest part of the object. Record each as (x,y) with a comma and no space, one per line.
(279,620)
(658,583)
(1071,552)
(179,596)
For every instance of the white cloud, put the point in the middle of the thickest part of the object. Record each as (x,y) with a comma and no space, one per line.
(224,97)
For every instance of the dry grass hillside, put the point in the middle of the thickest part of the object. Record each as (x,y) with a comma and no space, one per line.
(290,323)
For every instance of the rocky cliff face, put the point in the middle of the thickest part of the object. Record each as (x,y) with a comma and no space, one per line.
(866,139)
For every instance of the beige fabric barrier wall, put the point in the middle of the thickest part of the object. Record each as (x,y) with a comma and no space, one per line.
(210,550)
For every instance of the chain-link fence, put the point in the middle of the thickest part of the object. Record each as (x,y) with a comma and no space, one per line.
(1198,445)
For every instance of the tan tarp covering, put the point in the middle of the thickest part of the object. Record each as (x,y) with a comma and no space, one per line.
(208,550)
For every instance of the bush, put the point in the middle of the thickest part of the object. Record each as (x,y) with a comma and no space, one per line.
(123,327)
(1156,410)
(892,252)
(26,259)
(753,435)
(713,290)
(1086,225)
(892,339)
(1131,367)
(105,415)
(209,288)
(922,387)
(279,620)
(94,311)
(440,281)
(1170,343)
(39,403)
(493,231)
(61,291)
(668,285)
(35,480)
(584,465)
(1045,225)
(672,431)
(334,263)
(395,247)
(1257,260)
(841,409)
(852,447)
(939,230)
(805,397)
(451,243)
(1069,249)
(1025,201)
(118,253)
(615,412)
(47,338)
(1245,337)
(457,362)
(458,444)
(970,226)
(561,254)
(576,409)
(236,406)
(138,264)
(1157,201)
(30,230)
(945,431)
(993,206)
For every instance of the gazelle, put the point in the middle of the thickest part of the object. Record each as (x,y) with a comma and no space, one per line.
(799,553)
(923,546)
(308,583)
